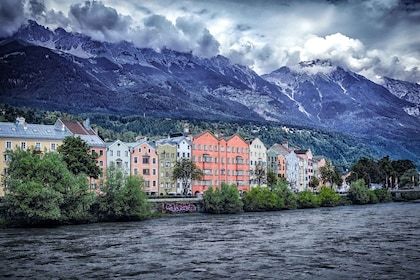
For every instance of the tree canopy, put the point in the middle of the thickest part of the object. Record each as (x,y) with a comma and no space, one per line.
(186,171)
(76,153)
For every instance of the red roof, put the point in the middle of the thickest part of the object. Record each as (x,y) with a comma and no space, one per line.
(78,128)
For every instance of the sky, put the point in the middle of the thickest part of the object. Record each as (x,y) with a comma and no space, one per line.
(373,38)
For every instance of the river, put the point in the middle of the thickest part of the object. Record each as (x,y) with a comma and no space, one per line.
(379,241)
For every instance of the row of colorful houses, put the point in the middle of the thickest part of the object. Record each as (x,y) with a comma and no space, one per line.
(223,159)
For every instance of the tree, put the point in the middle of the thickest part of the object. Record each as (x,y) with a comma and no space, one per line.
(41,190)
(262,199)
(123,198)
(186,171)
(225,200)
(328,197)
(314,183)
(359,193)
(271,178)
(76,153)
(260,173)
(330,175)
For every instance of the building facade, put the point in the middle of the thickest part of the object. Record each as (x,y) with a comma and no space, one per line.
(257,163)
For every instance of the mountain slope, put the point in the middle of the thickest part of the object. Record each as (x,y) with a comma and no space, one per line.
(57,70)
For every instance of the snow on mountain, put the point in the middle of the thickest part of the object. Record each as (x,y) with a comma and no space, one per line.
(58,70)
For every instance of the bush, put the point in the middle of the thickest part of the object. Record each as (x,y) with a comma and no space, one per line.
(383,195)
(124,198)
(222,201)
(262,199)
(288,196)
(373,199)
(328,197)
(359,193)
(307,199)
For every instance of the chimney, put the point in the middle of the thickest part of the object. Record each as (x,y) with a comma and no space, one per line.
(86,124)
(285,144)
(186,129)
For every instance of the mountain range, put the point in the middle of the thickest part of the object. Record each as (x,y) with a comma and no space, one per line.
(59,70)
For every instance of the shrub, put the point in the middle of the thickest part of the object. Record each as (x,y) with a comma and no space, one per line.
(359,193)
(383,195)
(222,201)
(262,199)
(328,197)
(307,199)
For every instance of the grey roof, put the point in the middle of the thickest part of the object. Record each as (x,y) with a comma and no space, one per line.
(174,140)
(92,140)
(31,131)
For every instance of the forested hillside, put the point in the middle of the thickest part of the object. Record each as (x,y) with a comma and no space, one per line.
(342,150)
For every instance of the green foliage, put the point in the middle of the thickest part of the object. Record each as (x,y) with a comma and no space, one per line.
(284,193)
(186,170)
(383,195)
(385,171)
(123,198)
(307,199)
(330,175)
(262,199)
(222,201)
(359,193)
(41,190)
(76,154)
(328,197)
(271,178)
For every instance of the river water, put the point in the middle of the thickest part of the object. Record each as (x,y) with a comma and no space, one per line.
(353,242)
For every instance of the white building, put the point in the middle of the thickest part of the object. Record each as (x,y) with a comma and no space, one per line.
(257,163)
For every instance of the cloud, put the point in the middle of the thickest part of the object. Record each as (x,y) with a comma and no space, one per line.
(373,38)
(12,16)
(100,21)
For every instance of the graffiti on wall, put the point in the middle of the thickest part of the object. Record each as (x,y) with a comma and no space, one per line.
(180,207)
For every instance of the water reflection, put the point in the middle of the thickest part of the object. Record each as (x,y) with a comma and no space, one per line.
(354,242)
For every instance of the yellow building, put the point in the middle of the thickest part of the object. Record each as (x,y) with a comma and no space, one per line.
(23,135)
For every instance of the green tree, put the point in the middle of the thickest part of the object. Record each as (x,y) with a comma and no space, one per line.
(225,200)
(76,154)
(359,193)
(41,190)
(123,197)
(313,183)
(307,199)
(262,199)
(186,171)
(328,197)
(271,178)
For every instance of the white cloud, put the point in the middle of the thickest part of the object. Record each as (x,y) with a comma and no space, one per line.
(369,37)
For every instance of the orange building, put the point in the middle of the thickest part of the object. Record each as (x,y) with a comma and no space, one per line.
(222,159)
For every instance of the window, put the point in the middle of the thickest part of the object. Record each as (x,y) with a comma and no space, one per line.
(136,160)
(38,146)
(145,160)
(154,160)
(111,153)
(154,183)
(205,147)
(101,163)
(126,153)
(210,147)
(146,184)
(154,171)
(136,171)
(23,145)
(222,148)
(101,152)
(8,144)
(118,153)
(146,172)
(6,157)
(53,146)
(199,147)
(207,171)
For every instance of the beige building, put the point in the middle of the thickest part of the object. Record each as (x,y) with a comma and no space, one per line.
(24,136)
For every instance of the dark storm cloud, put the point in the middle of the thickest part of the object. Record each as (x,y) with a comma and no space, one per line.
(95,16)
(12,15)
